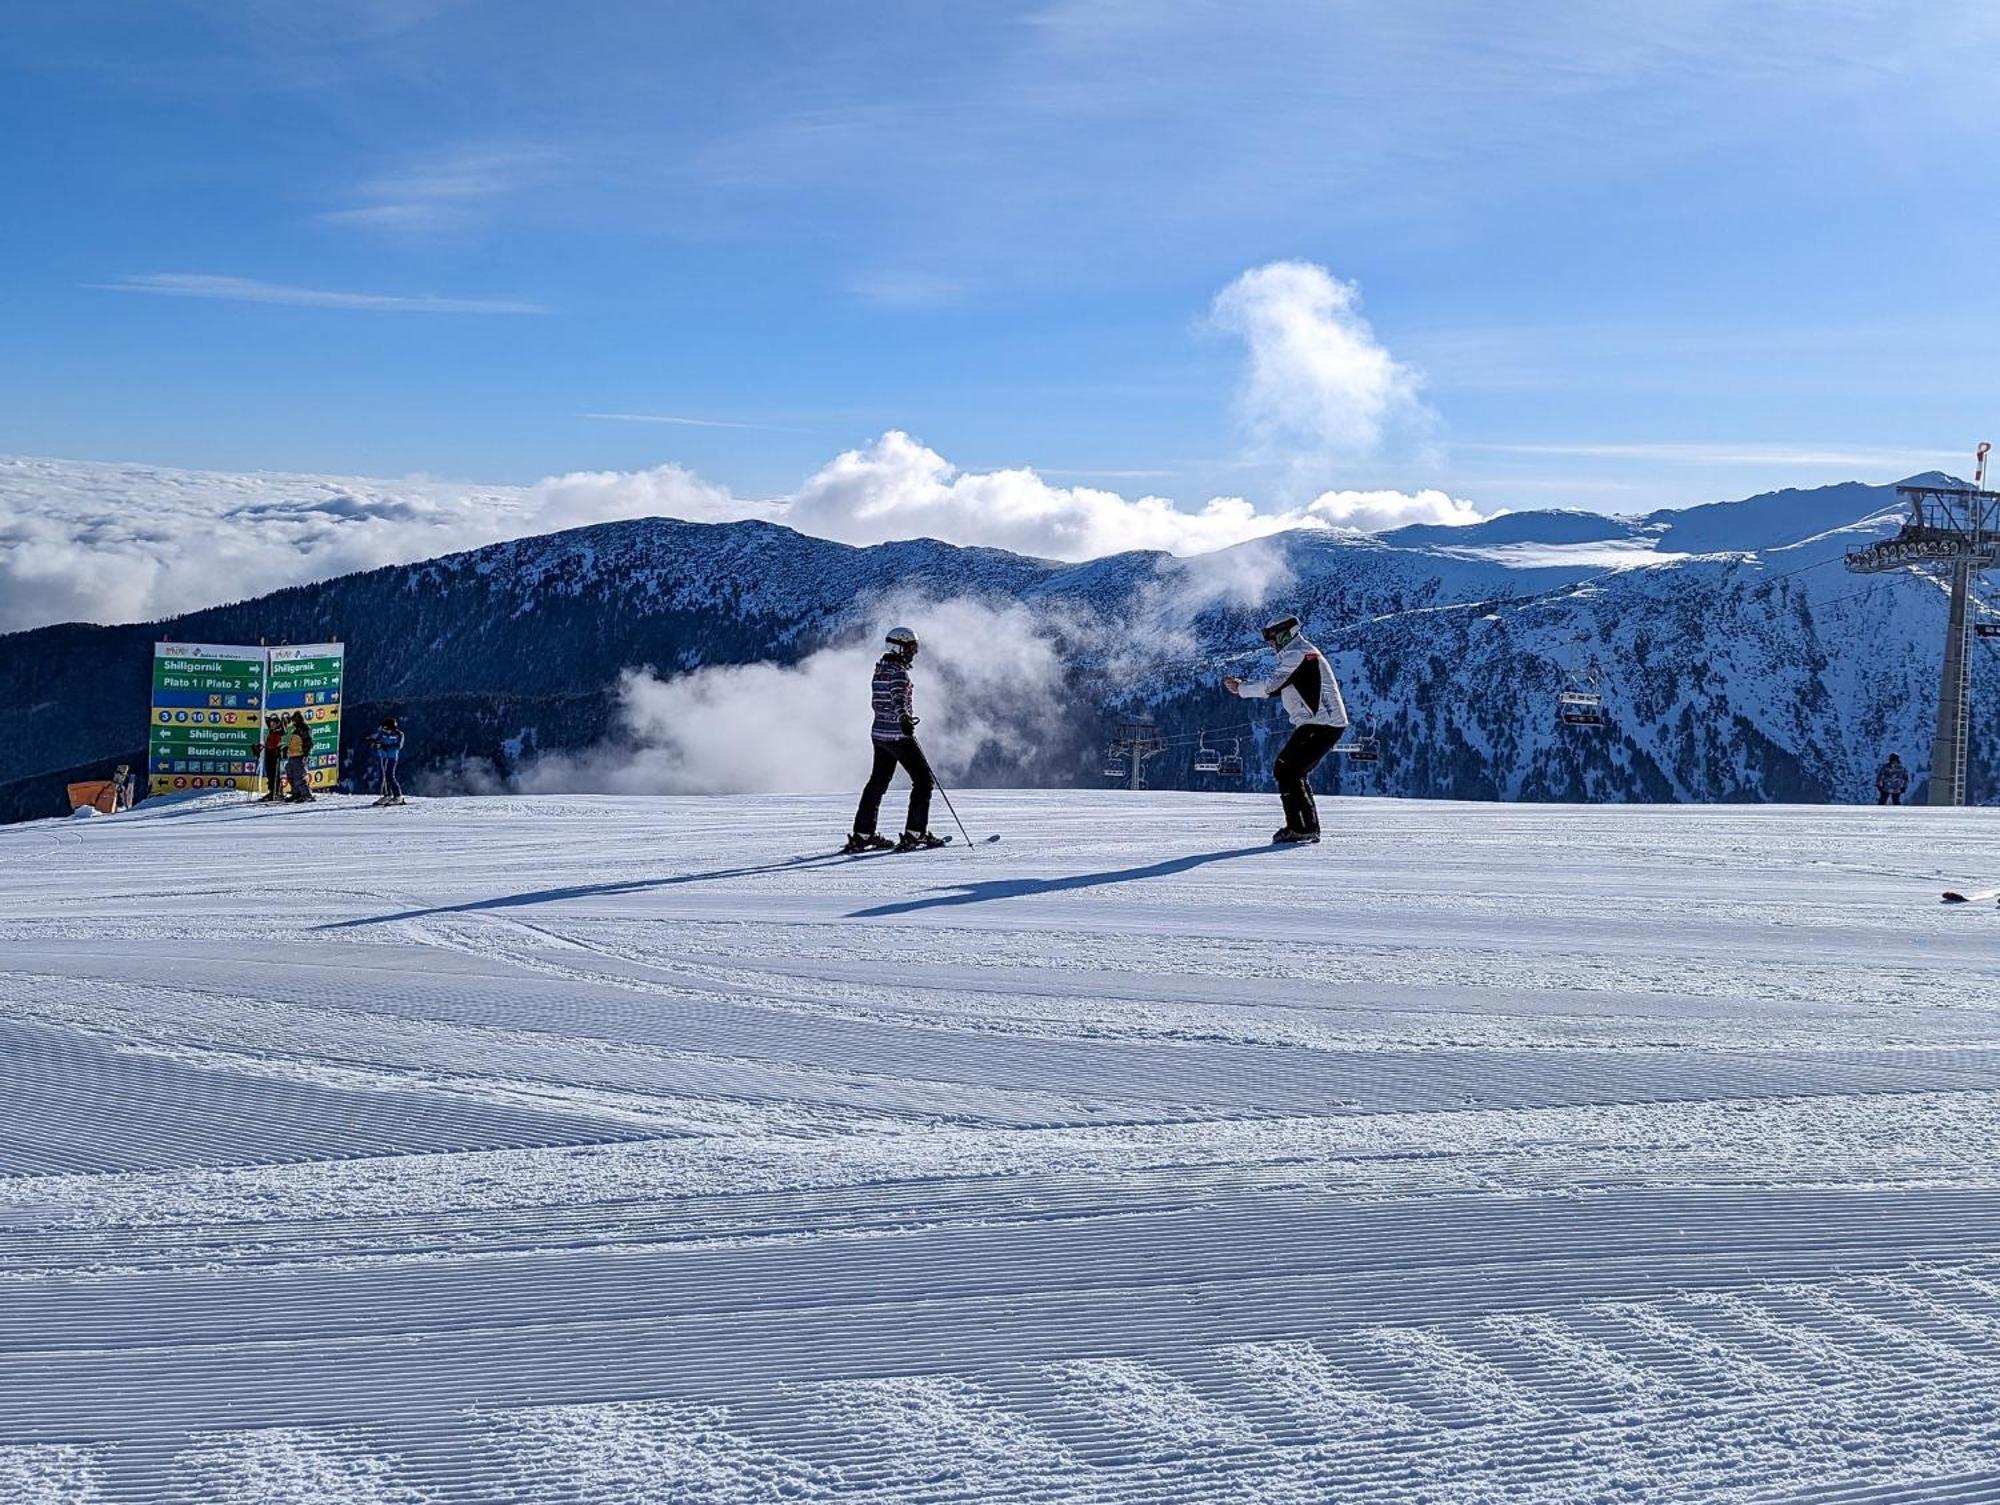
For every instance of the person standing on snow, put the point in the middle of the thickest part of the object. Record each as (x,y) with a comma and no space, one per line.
(298,747)
(1304,684)
(274,757)
(894,737)
(388,745)
(1891,779)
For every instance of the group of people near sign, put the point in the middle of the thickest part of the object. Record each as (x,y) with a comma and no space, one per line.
(288,742)
(1302,682)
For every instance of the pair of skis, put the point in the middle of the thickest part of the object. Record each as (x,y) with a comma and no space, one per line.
(895,851)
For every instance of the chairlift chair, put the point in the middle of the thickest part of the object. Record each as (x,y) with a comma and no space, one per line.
(1580,700)
(1114,765)
(1230,764)
(1206,759)
(1987,629)
(1365,750)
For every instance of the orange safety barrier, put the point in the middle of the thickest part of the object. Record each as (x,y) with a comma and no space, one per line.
(98,792)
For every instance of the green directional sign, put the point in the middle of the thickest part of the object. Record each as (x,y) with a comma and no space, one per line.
(206,726)
(307,679)
(207,711)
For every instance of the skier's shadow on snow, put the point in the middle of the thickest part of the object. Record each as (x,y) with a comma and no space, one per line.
(578,891)
(1028,888)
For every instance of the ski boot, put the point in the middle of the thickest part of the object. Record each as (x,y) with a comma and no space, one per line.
(920,841)
(866,841)
(1286,836)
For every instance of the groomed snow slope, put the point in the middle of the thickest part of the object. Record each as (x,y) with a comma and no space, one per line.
(604,1150)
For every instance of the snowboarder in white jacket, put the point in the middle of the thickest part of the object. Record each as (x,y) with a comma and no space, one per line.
(1304,685)
(894,735)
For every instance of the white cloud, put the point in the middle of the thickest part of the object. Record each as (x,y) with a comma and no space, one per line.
(446,192)
(1318,386)
(108,543)
(120,543)
(1379,511)
(991,687)
(908,290)
(898,488)
(602,496)
(248,290)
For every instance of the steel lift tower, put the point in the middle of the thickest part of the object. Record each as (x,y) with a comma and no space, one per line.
(1138,739)
(1956,528)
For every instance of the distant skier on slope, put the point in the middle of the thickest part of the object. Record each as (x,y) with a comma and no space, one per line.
(1304,685)
(388,745)
(1891,779)
(894,736)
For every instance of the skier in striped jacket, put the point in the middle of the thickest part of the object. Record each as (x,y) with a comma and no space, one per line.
(1304,685)
(894,736)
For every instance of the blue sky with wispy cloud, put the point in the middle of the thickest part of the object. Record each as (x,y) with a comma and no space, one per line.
(1583,253)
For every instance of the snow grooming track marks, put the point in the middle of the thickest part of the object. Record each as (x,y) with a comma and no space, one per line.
(572,1151)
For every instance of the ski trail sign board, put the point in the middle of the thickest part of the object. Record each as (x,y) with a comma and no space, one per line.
(307,679)
(207,716)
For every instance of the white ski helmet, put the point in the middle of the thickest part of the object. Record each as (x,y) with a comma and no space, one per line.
(1282,629)
(902,640)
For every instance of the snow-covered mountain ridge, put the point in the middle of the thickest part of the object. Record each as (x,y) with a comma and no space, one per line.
(1740,661)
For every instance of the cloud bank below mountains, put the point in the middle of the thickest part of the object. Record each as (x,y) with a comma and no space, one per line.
(122,543)
(82,541)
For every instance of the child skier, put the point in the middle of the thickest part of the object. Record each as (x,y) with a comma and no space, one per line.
(1304,684)
(894,736)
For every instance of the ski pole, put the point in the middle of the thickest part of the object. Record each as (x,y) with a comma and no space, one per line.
(938,784)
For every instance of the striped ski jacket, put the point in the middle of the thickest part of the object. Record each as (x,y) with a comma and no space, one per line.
(894,699)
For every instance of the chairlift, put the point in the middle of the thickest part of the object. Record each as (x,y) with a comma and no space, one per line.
(1580,699)
(1987,629)
(1114,765)
(1206,759)
(1365,750)
(1230,764)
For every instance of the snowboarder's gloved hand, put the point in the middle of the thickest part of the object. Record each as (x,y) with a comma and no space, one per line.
(909,725)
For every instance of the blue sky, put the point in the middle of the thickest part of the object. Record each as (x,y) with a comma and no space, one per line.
(1630,254)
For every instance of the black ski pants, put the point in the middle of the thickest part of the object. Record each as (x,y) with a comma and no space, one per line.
(1888,796)
(1296,760)
(888,755)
